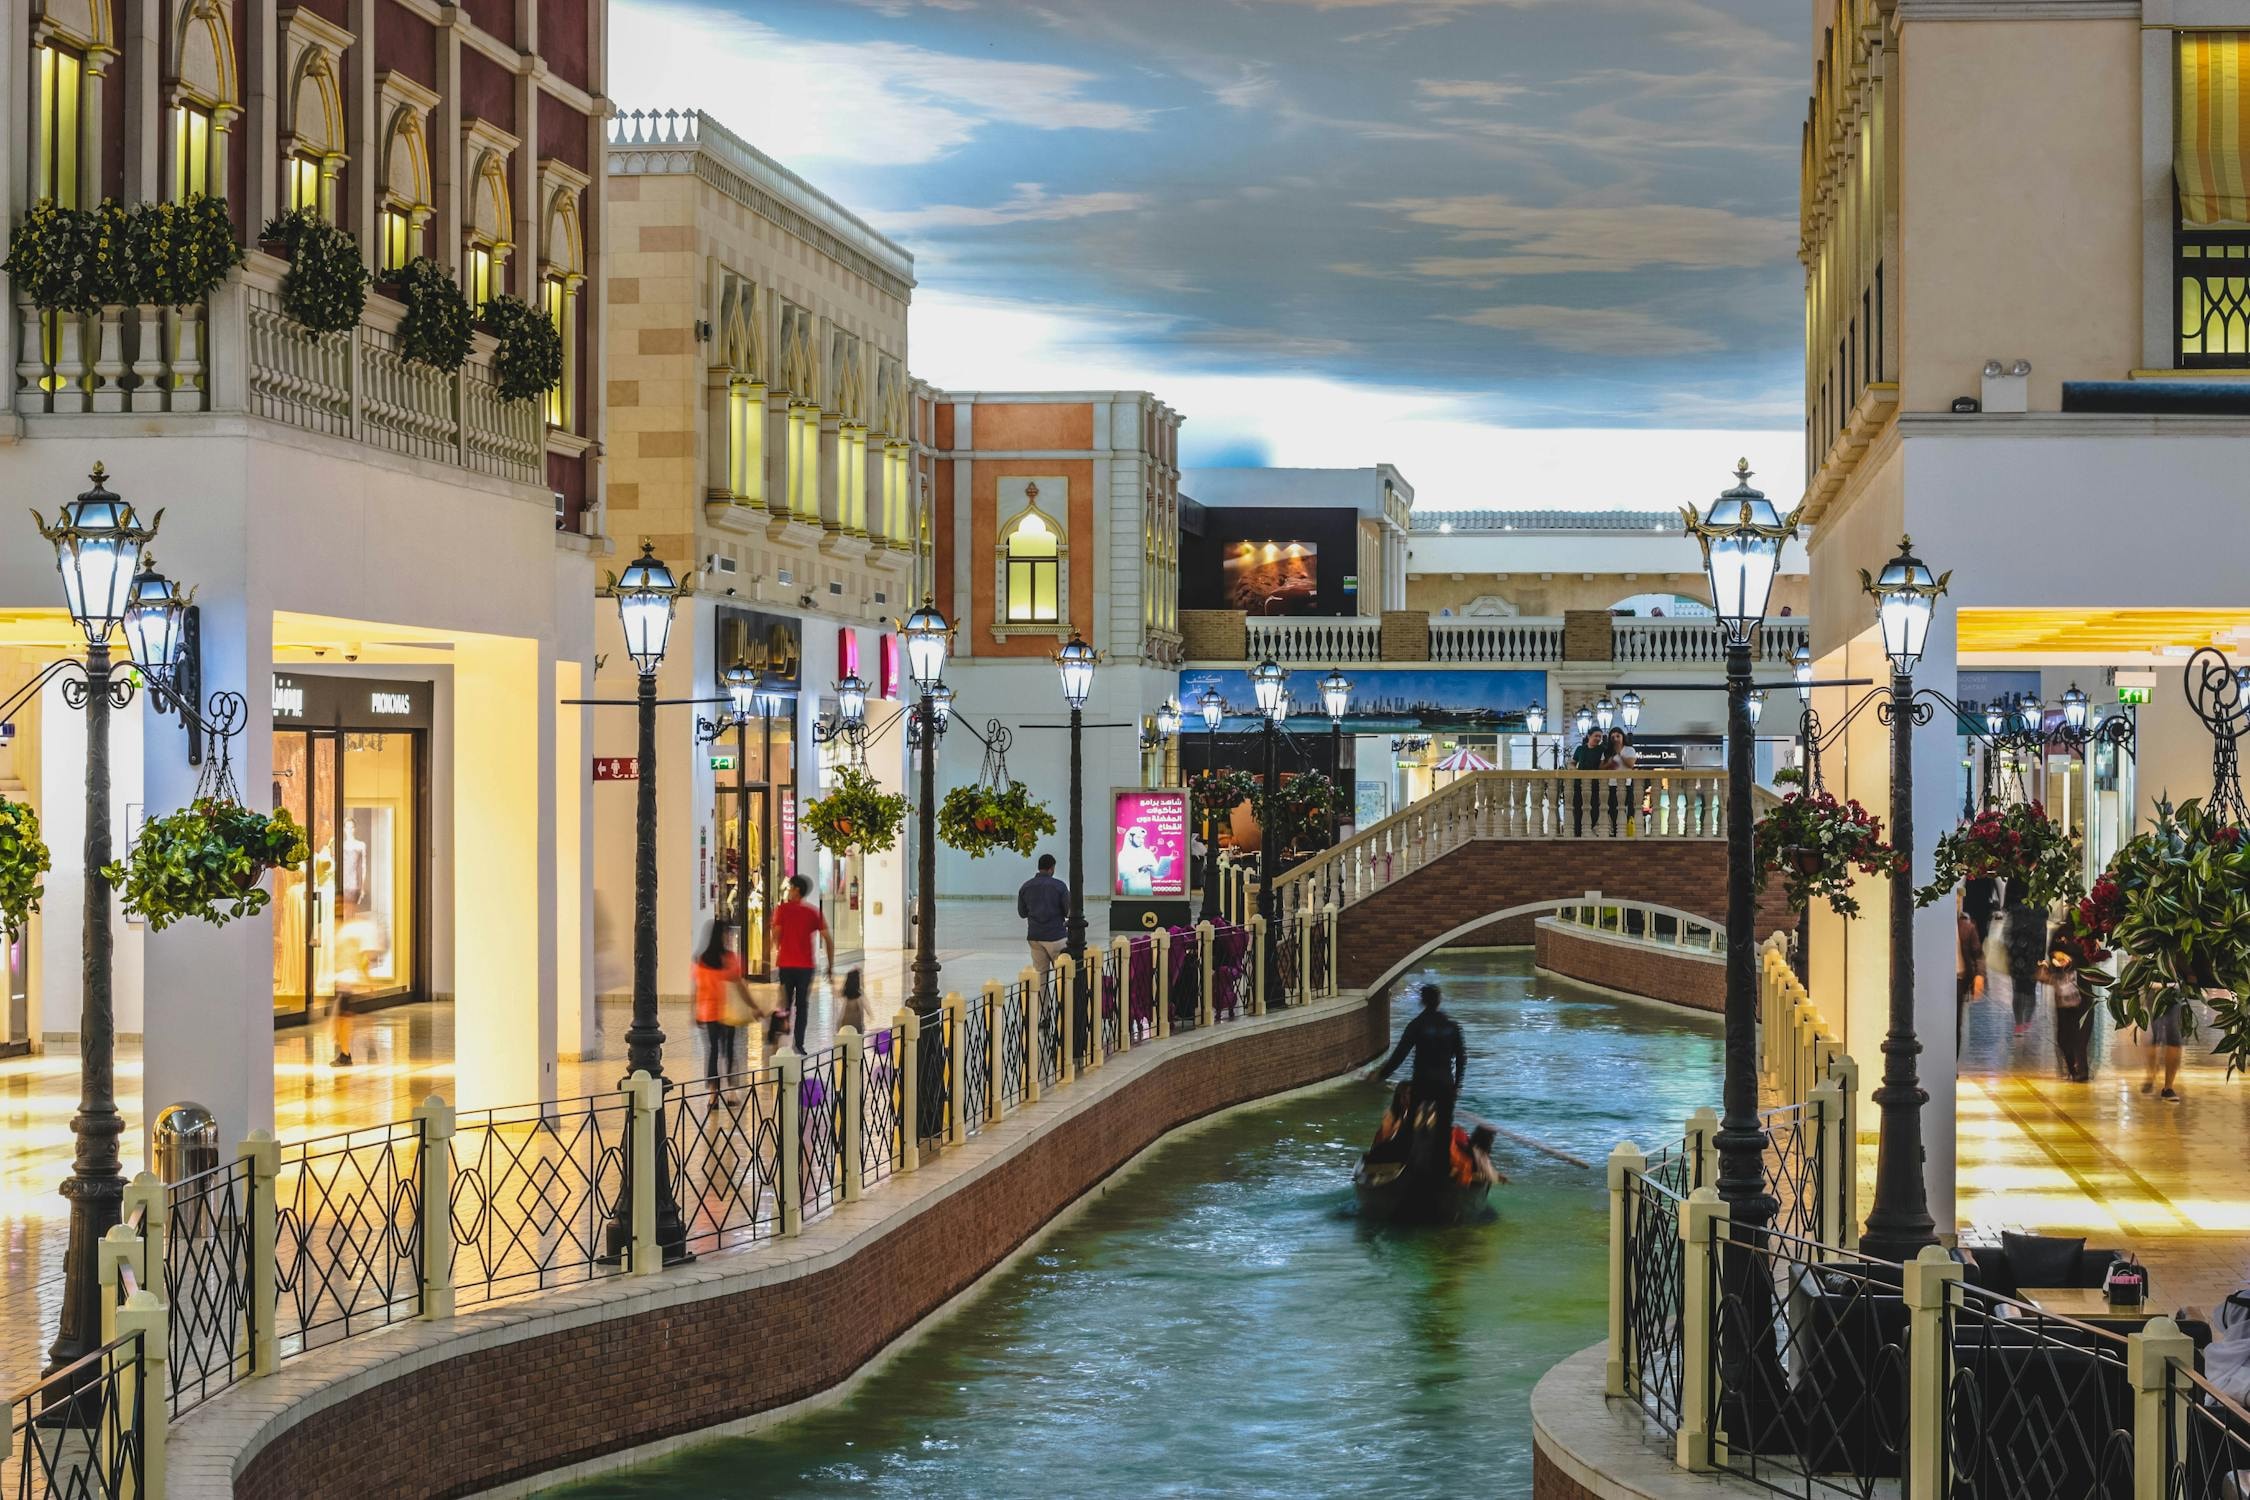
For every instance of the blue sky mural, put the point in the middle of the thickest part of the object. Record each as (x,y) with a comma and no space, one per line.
(1382,698)
(1472,237)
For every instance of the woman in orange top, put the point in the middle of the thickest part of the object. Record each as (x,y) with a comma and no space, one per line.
(717,968)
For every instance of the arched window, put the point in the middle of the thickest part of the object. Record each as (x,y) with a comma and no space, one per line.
(72,42)
(201,100)
(1034,556)
(403,197)
(485,241)
(312,144)
(562,268)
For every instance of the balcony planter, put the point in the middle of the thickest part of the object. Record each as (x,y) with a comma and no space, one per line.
(24,862)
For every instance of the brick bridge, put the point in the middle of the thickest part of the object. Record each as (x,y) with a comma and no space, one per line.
(1478,862)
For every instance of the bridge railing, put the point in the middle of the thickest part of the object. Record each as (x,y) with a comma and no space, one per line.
(1529,805)
(1644,922)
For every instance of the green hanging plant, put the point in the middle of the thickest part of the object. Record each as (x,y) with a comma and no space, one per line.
(856,814)
(198,251)
(24,862)
(326,288)
(1303,804)
(51,259)
(979,819)
(438,329)
(205,861)
(529,361)
(1218,793)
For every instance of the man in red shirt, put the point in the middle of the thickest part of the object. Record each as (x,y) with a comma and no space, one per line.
(795,921)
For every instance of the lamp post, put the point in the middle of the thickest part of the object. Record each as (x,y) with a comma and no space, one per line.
(1899,1223)
(1742,536)
(1214,709)
(1267,680)
(1075,663)
(927,635)
(1336,698)
(1167,735)
(1605,713)
(1629,711)
(646,593)
(98,541)
(1534,723)
(1583,722)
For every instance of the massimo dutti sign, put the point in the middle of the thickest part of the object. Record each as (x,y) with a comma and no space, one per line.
(324,702)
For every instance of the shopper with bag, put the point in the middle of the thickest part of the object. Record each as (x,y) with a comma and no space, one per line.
(722,1003)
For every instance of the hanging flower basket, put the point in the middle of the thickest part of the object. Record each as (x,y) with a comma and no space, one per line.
(529,361)
(205,861)
(438,328)
(2175,906)
(1304,804)
(23,863)
(325,290)
(980,819)
(2016,844)
(856,814)
(1218,793)
(1815,842)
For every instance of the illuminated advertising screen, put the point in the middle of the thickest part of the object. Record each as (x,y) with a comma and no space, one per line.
(1149,842)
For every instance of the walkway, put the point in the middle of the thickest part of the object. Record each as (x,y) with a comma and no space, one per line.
(402,1056)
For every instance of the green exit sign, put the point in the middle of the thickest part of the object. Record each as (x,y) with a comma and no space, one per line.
(2132,695)
(722,762)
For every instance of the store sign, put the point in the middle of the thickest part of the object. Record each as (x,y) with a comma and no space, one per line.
(617,768)
(321,700)
(1149,847)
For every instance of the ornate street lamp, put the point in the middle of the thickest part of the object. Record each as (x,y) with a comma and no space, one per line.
(1214,710)
(1584,721)
(1336,698)
(1535,718)
(1268,681)
(941,706)
(155,615)
(1757,705)
(1075,662)
(927,637)
(2074,709)
(98,540)
(646,594)
(1899,1223)
(1629,710)
(851,701)
(1168,718)
(1800,666)
(1605,713)
(1742,536)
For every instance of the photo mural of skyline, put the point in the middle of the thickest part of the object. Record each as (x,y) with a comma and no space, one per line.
(1384,699)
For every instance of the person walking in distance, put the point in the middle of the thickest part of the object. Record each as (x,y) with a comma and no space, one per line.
(2026,937)
(722,1003)
(796,922)
(1044,904)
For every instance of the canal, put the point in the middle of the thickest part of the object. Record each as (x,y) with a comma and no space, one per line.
(1219,1323)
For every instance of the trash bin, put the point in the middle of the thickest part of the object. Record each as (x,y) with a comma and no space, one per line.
(185,1141)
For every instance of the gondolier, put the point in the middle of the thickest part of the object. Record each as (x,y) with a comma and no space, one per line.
(1441,1058)
(1421,1170)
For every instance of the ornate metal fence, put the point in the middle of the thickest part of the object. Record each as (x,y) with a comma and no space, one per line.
(1284,986)
(1795,1142)
(976,1071)
(723,1139)
(1233,973)
(1654,1291)
(2207,1440)
(882,1104)
(1323,972)
(934,1082)
(1049,1041)
(820,1129)
(348,1234)
(1012,1028)
(535,1190)
(79,1434)
(207,1270)
(1116,971)
(1187,978)
(2036,1404)
(1140,987)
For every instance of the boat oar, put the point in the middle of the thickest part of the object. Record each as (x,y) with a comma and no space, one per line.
(1524,1140)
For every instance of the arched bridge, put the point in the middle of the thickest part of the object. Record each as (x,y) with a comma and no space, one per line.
(1476,863)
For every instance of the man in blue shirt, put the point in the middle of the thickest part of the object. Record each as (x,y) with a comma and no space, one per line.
(1044,904)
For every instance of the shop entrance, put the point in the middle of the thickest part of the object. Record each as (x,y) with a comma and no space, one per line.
(349,926)
(753,767)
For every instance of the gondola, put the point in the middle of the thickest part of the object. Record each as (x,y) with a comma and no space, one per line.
(1407,1177)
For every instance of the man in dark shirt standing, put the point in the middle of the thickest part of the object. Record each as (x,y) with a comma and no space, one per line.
(1441,1060)
(1044,904)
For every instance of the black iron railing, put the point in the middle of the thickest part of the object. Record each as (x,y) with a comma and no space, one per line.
(534,1189)
(207,1270)
(820,1130)
(79,1433)
(975,1041)
(882,1104)
(1013,1032)
(724,1140)
(348,1234)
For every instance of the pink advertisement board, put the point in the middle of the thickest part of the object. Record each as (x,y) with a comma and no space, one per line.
(1149,842)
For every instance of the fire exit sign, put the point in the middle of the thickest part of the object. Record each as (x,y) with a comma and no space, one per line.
(2132,695)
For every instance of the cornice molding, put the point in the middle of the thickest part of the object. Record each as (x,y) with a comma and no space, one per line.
(2019,10)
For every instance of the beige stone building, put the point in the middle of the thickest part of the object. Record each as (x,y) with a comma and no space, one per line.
(762,432)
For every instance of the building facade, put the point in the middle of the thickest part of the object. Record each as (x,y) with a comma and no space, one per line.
(393,562)
(2022,233)
(764,433)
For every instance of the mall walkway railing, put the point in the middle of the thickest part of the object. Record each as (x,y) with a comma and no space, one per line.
(289,1247)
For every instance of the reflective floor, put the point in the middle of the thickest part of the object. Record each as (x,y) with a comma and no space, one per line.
(1220,1323)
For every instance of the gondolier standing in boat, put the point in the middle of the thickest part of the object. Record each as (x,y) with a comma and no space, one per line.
(1441,1060)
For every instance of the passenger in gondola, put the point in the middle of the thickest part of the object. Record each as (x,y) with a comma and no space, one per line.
(1391,1135)
(1472,1157)
(1441,1061)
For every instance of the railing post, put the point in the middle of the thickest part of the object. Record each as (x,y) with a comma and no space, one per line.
(643,1096)
(1626,1166)
(908,1062)
(1832,1156)
(792,1164)
(851,1161)
(1066,991)
(1034,1040)
(1306,922)
(1699,1219)
(264,1155)
(145,1313)
(956,1017)
(1163,984)
(1091,974)
(1846,1074)
(436,1161)
(146,1192)
(1335,979)
(1203,944)
(1926,1278)
(119,1247)
(991,1001)
(2151,1358)
(1258,965)
(1703,1147)
(1123,948)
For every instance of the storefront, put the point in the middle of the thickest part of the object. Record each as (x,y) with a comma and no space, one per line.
(754,782)
(351,764)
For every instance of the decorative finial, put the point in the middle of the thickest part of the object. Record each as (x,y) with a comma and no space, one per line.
(1031,490)
(1742,470)
(99,474)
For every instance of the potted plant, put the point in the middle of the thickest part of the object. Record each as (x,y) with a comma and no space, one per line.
(529,361)
(1815,842)
(856,814)
(979,819)
(2174,904)
(439,328)
(1303,804)
(50,263)
(2017,844)
(325,290)
(205,861)
(1218,793)
(24,862)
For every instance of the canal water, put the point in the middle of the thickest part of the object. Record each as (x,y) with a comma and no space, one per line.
(1219,1323)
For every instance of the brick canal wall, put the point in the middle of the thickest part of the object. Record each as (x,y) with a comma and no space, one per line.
(520,1391)
(1631,967)
(1424,909)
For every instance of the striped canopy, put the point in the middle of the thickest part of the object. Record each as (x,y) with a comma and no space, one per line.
(2211,137)
(1464,759)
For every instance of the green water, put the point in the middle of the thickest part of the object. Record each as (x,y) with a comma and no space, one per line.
(1220,1324)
